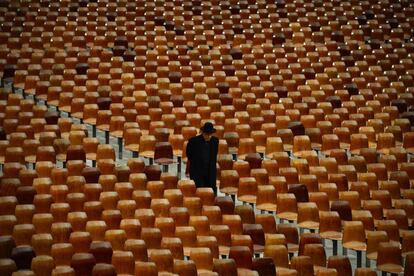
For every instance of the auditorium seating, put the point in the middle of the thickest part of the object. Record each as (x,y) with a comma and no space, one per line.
(313,105)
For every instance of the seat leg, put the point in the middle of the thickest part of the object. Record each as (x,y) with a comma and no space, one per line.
(93,130)
(179,167)
(106,137)
(165,168)
(134,154)
(359,258)
(334,247)
(120,147)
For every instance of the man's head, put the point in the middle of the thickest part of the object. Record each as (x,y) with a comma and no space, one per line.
(207,131)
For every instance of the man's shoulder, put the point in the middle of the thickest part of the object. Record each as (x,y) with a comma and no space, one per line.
(215,140)
(194,139)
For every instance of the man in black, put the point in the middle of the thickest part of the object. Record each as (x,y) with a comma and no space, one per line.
(202,157)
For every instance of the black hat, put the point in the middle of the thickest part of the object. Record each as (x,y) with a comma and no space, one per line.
(208,128)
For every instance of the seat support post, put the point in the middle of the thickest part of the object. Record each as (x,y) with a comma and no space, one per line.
(179,167)
(334,247)
(120,147)
(359,258)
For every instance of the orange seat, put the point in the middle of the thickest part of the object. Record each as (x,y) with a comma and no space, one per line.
(389,258)
(330,225)
(308,215)
(340,263)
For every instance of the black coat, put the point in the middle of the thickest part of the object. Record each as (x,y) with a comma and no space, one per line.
(194,148)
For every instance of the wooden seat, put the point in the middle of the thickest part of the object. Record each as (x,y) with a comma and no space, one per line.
(273,144)
(185,267)
(390,227)
(308,215)
(225,266)
(163,154)
(223,236)
(147,146)
(408,265)
(400,216)
(63,270)
(286,206)
(330,227)
(163,259)
(374,238)
(291,235)
(146,268)
(301,144)
(343,208)
(106,269)
(256,232)
(8,266)
(8,244)
(321,199)
(340,263)
(384,197)
(266,198)
(317,254)
(389,258)
(14,154)
(138,249)
(354,237)
(247,189)
(264,266)
(279,254)
(243,258)
(408,141)
(206,196)
(83,263)
(363,271)
(202,258)
(302,264)
(246,146)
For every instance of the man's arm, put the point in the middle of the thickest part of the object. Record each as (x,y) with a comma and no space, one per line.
(216,146)
(189,149)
